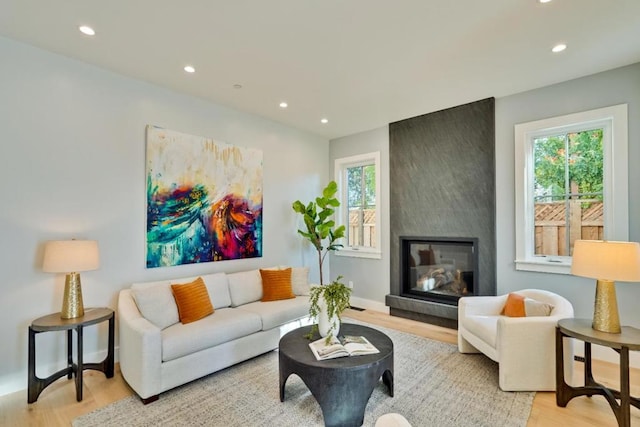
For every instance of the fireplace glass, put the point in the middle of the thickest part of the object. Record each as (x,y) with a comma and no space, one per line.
(439,269)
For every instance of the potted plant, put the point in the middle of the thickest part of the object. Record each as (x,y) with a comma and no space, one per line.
(332,299)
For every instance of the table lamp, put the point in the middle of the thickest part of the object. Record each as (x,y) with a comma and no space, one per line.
(606,261)
(71,257)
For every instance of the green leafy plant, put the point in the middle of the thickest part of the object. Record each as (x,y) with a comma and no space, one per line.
(323,234)
(336,296)
(319,225)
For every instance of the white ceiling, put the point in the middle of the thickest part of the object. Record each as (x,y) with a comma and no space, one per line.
(359,63)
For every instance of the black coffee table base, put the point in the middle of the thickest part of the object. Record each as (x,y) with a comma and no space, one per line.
(342,387)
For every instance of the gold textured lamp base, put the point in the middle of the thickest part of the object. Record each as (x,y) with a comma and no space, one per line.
(72,306)
(605,313)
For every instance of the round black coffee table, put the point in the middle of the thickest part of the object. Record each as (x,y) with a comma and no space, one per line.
(341,386)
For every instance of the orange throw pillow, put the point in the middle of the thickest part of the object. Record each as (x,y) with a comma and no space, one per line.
(192,300)
(514,306)
(276,285)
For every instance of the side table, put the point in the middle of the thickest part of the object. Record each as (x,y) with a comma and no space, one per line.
(581,329)
(53,322)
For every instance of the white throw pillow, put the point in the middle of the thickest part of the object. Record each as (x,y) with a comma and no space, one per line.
(218,288)
(245,287)
(300,280)
(537,308)
(157,305)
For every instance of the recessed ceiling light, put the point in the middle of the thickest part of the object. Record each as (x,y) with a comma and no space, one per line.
(237,86)
(559,48)
(544,1)
(324,121)
(283,105)
(84,29)
(189,69)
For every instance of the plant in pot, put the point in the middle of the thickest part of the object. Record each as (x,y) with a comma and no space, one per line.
(327,302)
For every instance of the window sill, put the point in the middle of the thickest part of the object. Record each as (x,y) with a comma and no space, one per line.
(359,253)
(545,265)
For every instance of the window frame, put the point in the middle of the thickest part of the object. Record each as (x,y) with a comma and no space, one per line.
(614,121)
(342,212)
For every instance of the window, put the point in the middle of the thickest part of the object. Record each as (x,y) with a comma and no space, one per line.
(571,183)
(358,181)
(567,190)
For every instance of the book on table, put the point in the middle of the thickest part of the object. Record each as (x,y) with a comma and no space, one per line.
(344,346)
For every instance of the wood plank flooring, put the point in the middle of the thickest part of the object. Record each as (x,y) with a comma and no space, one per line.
(57,406)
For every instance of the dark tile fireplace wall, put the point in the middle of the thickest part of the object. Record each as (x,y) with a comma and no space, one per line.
(442,182)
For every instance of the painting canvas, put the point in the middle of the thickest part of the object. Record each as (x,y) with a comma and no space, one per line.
(204,200)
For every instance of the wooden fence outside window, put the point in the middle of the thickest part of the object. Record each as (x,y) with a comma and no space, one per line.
(585,222)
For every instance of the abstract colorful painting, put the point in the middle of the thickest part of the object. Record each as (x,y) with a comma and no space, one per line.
(204,200)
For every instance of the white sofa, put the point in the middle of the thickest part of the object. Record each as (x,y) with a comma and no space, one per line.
(524,347)
(159,354)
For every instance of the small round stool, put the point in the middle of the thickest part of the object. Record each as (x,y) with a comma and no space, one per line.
(392,420)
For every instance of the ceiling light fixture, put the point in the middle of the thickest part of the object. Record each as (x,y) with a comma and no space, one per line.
(544,1)
(84,29)
(559,48)
(324,121)
(189,69)
(283,105)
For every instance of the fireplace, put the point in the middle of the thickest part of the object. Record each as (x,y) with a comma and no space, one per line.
(439,269)
(442,180)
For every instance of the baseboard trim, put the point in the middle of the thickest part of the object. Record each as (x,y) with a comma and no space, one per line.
(368,304)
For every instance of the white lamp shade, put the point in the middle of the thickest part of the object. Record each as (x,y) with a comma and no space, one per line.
(605,260)
(70,256)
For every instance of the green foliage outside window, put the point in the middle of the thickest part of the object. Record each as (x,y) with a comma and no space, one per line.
(360,197)
(556,172)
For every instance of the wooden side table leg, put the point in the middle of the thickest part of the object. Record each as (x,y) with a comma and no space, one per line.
(110,356)
(588,368)
(33,385)
(562,397)
(625,393)
(79,367)
(70,353)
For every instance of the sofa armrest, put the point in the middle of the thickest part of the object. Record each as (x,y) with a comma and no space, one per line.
(140,348)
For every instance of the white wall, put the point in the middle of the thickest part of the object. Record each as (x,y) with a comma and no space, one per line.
(72,164)
(370,276)
(604,89)
(613,87)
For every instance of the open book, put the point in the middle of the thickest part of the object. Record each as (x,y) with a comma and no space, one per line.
(347,345)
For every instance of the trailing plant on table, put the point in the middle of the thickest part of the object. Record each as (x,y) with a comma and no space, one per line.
(336,296)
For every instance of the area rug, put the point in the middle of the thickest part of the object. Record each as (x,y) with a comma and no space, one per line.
(434,386)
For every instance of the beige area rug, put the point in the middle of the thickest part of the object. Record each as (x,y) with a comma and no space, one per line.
(434,386)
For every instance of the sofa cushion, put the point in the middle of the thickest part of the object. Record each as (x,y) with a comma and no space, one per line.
(276,285)
(218,288)
(484,327)
(276,313)
(299,279)
(245,287)
(192,300)
(224,325)
(156,304)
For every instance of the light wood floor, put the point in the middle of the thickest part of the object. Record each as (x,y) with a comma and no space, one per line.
(57,405)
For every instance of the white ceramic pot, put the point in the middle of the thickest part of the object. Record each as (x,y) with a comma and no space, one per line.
(324,323)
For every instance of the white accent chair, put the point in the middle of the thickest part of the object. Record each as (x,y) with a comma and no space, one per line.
(524,347)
